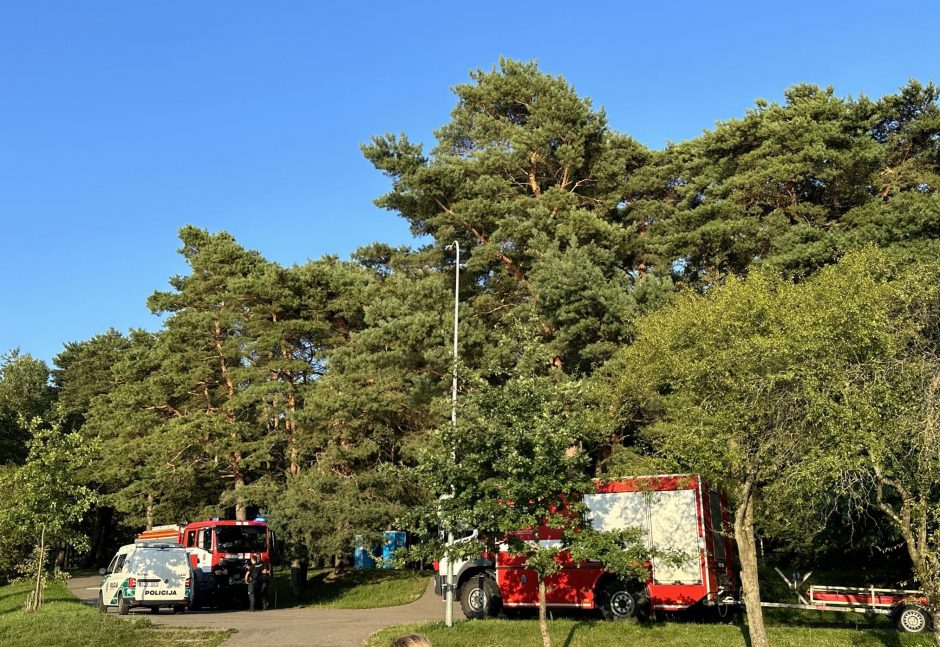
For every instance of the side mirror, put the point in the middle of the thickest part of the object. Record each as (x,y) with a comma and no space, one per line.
(102,571)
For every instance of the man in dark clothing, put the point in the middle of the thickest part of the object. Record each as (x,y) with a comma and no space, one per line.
(257,578)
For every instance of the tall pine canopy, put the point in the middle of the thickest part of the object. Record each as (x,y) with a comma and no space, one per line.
(315,392)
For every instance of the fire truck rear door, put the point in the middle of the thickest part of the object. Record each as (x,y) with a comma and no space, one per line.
(674,526)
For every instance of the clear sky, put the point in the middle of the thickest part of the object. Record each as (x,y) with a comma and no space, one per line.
(121,121)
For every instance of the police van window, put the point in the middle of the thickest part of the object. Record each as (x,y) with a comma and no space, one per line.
(190,538)
(119,563)
(206,539)
(718,539)
(111,568)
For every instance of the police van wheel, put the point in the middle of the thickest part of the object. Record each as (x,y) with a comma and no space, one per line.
(479,597)
(154,609)
(124,607)
(179,608)
(102,607)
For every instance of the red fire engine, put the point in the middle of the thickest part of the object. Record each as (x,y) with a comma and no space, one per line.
(219,551)
(674,512)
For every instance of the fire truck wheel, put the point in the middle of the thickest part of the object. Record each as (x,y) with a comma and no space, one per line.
(124,607)
(912,619)
(194,604)
(479,597)
(620,600)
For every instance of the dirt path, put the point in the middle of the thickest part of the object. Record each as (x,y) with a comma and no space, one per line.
(310,627)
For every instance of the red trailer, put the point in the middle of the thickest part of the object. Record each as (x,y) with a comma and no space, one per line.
(674,512)
(908,609)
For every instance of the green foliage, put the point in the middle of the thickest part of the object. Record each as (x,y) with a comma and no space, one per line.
(24,394)
(48,501)
(744,385)
(518,463)
(780,186)
(48,496)
(84,371)
(529,178)
(737,380)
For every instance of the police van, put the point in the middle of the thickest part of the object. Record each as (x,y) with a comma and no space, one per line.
(146,575)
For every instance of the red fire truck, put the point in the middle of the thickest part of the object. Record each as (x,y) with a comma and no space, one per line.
(219,552)
(674,512)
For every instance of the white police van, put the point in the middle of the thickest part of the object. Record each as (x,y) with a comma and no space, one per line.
(146,575)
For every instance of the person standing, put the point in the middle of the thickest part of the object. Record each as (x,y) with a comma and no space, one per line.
(257,579)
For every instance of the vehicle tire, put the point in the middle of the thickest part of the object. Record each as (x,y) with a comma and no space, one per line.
(102,607)
(194,603)
(154,609)
(480,597)
(912,619)
(124,607)
(179,608)
(622,600)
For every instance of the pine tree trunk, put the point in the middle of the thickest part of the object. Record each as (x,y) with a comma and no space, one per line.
(241,510)
(100,554)
(543,621)
(297,577)
(292,433)
(149,511)
(747,551)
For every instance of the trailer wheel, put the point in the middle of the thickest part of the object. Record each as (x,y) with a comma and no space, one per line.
(621,600)
(479,597)
(124,607)
(912,619)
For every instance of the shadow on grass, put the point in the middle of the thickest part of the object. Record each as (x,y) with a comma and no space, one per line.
(570,635)
(325,588)
(52,593)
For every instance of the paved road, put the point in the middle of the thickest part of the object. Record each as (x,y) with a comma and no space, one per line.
(310,627)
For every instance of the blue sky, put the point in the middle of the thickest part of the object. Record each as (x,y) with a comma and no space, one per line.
(122,121)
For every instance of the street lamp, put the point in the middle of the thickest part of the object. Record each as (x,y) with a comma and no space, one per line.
(449,585)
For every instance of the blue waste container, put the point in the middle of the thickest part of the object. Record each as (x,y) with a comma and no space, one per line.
(392,541)
(362,556)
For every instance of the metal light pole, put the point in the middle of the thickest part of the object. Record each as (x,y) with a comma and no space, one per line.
(449,585)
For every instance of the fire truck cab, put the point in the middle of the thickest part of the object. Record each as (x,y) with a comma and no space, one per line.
(675,512)
(219,551)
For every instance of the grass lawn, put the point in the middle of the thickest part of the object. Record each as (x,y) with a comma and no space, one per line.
(596,633)
(64,620)
(365,589)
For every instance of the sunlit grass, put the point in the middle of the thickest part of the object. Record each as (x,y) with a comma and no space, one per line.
(596,633)
(354,589)
(64,620)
